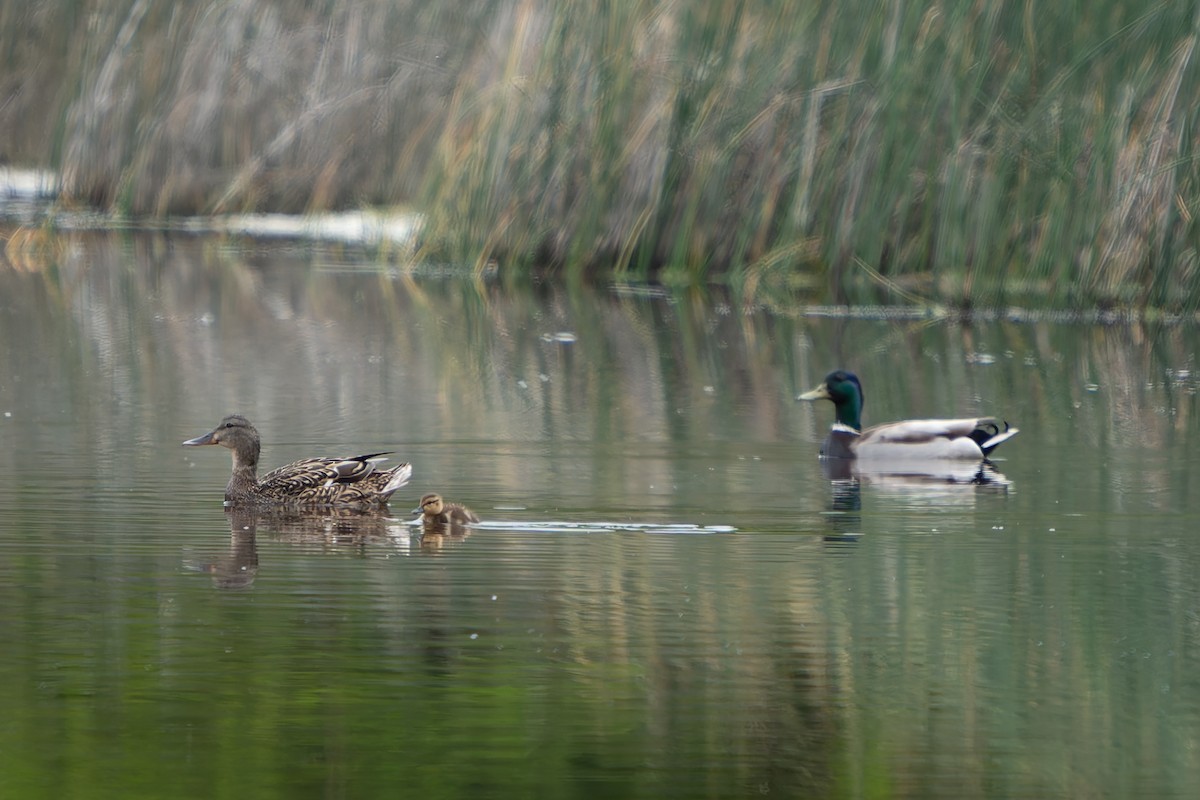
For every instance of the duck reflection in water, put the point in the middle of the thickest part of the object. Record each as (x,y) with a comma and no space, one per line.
(845,512)
(332,529)
(237,568)
(916,475)
(943,483)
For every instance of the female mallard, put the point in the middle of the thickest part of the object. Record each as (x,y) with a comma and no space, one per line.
(910,439)
(435,511)
(349,482)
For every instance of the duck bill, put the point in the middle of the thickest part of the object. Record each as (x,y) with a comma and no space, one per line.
(199,440)
(819,393)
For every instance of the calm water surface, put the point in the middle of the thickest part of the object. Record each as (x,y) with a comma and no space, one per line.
(669,598)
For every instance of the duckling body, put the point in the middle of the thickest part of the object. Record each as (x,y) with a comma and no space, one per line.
(436,511)
(915,439)
(355,482)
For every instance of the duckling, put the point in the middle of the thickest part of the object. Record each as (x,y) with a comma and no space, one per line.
(914,439)
(355,482)
(435,511)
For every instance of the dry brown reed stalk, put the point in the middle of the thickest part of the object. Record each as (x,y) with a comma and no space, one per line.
(1132,231)
(973,147)
(256,106)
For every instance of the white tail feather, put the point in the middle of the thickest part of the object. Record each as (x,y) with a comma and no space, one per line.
(398,479)
(998,439)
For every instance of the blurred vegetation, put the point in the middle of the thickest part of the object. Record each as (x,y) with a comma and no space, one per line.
(1022,662)
(975,154)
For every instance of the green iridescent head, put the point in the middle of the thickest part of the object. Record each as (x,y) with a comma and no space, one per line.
(845,391)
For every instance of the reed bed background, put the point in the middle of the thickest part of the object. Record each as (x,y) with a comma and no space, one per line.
(971,153)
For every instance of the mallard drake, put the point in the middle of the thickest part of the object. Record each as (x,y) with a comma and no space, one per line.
(435,511)
(918,439)
(313,482)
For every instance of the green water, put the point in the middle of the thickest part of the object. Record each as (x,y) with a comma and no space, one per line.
(668,599)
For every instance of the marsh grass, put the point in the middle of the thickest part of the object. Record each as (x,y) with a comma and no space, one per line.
(976,154)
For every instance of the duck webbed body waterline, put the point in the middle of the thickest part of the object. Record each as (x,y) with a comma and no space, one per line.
(915,439)
(436,511)
(356,482)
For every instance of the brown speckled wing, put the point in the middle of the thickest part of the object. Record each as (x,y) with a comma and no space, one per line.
(455,514)
(329,482)
(461,514)
(299,477)
(339,494)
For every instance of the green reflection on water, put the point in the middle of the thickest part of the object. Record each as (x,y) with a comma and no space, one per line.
(1030,637)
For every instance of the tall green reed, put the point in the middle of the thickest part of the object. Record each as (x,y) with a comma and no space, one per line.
(971,153)
(974,154)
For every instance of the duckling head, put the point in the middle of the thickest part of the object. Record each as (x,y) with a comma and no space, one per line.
(431,505)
